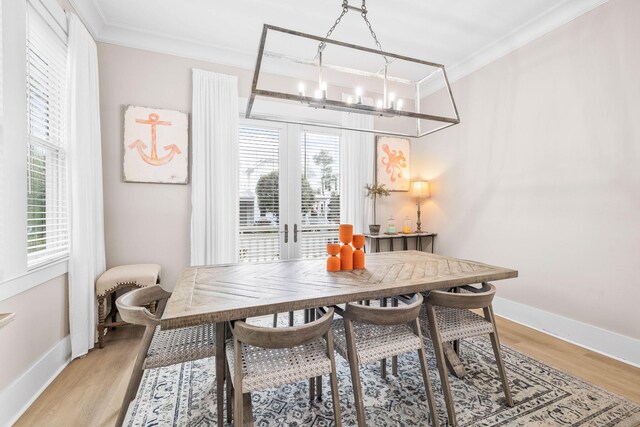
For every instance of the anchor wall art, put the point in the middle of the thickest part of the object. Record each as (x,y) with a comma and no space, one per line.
(156,145)
(393,157)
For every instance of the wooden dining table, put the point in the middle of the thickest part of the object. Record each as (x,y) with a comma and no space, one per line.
(221,293)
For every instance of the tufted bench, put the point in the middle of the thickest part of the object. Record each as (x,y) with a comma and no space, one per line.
(116,278)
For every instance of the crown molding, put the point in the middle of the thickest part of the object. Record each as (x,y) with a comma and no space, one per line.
(108,32)
(178,46)
(535,28)
(91,14)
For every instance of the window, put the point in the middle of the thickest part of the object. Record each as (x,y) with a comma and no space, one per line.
(47,219)
(320,154)
(289,192)
(259,194)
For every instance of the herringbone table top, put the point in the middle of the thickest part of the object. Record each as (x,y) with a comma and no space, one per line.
(211,294)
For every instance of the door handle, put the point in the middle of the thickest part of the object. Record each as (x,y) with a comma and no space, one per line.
(286,233)
(295,233)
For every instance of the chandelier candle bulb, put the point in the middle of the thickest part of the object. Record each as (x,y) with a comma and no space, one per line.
(317,94)
(301,89)
(392,98)
(358,95)
(399,105)
(349,100)
(323,89)
(379,104)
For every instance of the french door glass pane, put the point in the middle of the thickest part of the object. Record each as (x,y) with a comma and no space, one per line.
(259,194)
(320,192)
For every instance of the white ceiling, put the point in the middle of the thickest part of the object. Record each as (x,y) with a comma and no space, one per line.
(461,34)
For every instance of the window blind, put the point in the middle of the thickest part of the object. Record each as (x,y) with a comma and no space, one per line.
(259,188)
(320,192)
(47,209)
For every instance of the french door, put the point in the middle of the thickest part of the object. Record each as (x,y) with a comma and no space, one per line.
(289,191)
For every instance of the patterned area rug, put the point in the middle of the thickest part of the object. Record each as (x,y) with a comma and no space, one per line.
(184,395)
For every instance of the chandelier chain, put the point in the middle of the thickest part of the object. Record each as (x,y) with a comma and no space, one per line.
(373,34)
(345,9)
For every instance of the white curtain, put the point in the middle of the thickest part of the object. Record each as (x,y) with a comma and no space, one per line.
(87,257)
(214,185)
(357,162)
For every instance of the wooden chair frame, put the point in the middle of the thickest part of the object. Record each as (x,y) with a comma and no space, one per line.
(276,338)
(477,299)
(385,316)
(132,307)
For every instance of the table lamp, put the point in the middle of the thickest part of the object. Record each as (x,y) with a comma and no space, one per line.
(419,189)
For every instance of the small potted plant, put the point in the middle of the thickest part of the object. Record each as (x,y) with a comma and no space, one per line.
(373,192)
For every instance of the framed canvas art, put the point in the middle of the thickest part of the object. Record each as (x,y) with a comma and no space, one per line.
(156,145)
(393,157)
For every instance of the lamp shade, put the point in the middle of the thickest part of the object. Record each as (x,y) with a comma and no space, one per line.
(420,189)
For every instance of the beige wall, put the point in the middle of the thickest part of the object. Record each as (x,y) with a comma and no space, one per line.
(41,321)
(151,222)
(543,174)
(146,222)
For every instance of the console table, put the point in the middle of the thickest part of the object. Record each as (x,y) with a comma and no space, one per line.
(375,240)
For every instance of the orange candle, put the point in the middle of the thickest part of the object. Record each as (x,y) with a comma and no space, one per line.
(358,254)
(346,257)
(333,262)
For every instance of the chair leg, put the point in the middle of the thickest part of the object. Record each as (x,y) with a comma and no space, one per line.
(101,319)
(247,408)
(355,372)
(495,343)
(136,375)
(319,388)
(275,320)
(230,395)
(291,318)
(442,367)
(427,381)
(114,312)
(333,379)
(238,407)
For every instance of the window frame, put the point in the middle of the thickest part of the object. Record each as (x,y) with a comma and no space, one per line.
(15,277)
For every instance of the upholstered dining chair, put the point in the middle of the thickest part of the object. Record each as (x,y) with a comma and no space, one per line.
(448,317)
(264,357)
(160,347)
(367,334)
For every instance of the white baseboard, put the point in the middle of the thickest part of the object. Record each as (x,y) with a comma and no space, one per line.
(18,396)
(610,344)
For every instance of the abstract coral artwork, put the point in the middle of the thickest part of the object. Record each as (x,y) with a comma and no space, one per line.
(156,145)
(392,162)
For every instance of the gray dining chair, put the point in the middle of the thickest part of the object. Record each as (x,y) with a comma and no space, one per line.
(448,317)
(160,347)
(263,357)
(367,334)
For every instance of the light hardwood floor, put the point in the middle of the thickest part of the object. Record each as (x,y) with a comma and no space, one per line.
(89,391)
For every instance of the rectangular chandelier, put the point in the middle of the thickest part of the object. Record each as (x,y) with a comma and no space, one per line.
(309,80)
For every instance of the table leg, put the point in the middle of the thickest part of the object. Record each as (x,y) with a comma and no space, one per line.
(377,245)
(433,243)
(312,381)
(383,362)
(418,243)
(391,244)
(220,369)
(453,361)
(394,359)
(405,243)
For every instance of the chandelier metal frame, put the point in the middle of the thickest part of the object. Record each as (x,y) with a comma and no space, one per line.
(330,104)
